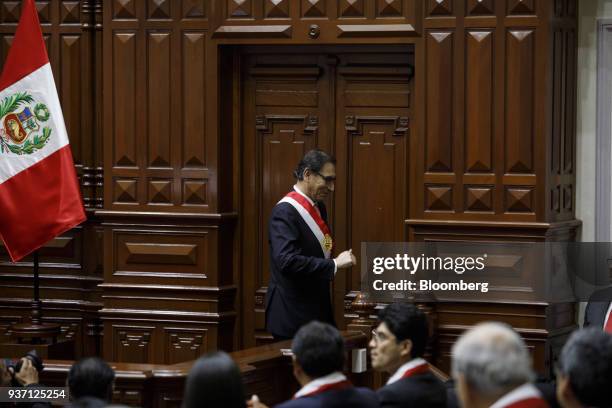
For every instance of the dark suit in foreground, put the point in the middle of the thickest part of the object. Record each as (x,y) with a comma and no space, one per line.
(299,290)
(597,308)
(417,391)
(348,397)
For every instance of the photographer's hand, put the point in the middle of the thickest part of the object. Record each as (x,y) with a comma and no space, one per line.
(28,374)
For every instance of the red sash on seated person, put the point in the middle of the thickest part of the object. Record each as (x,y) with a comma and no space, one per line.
(529,403)
(420,369)
(608,325)
(341,385)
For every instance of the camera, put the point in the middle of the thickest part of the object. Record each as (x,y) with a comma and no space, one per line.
(14,367)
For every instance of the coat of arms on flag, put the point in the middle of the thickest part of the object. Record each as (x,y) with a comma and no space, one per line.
(20,131)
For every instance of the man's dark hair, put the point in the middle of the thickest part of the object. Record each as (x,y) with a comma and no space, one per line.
(215,382)
(313,160)
(406,321)
(586,359)
(91,377)
(319,349)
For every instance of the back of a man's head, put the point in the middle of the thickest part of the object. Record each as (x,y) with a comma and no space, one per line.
(406,321)
(492,359)
(319,349)
(586,360)
(91,377)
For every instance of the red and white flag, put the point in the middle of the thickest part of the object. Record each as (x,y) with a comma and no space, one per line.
(39,193)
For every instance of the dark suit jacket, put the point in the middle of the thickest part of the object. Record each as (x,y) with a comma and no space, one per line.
(599,302)
(417,391)
(349,397)
(300,276)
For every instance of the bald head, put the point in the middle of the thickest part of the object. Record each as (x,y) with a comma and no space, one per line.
(491,359)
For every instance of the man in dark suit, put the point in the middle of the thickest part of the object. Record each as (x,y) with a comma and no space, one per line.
(584,370)
(397,347)
(301,267)
(598,312)
(318,358)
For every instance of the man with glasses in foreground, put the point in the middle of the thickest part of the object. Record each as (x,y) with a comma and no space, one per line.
(397,347)
(301,266)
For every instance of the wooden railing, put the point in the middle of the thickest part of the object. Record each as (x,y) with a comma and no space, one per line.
(266,371)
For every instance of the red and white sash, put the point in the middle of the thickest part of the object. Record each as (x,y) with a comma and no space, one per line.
(333,381)
(608,320)
(525,396)
(313,219)
(413,367)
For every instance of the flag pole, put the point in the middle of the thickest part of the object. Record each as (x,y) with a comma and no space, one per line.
(36,306)
(35,331)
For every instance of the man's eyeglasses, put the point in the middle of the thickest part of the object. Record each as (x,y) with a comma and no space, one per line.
(379,337)
(327,179)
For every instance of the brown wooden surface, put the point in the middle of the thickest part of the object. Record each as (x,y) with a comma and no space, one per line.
(266,371)
(452,118)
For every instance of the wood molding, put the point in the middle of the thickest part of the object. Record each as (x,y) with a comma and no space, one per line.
(250,31)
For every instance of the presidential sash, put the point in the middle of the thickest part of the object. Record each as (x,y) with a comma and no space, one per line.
(313,219)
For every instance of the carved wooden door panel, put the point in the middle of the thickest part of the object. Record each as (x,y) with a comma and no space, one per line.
(373,94)
(351,102)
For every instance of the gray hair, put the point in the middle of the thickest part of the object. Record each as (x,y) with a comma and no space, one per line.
(492,358)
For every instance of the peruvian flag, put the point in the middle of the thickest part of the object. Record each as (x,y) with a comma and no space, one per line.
(39,193)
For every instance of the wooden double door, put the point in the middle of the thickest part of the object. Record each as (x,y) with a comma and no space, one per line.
(354,102)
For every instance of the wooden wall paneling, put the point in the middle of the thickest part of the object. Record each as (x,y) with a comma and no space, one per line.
(95,9)
(325,20)
(478,102)
(440,85)
(440,152)
(92,177)
(374,113)
(560,189)
(519,102)
(158,146)
(165,289)
(373,125)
